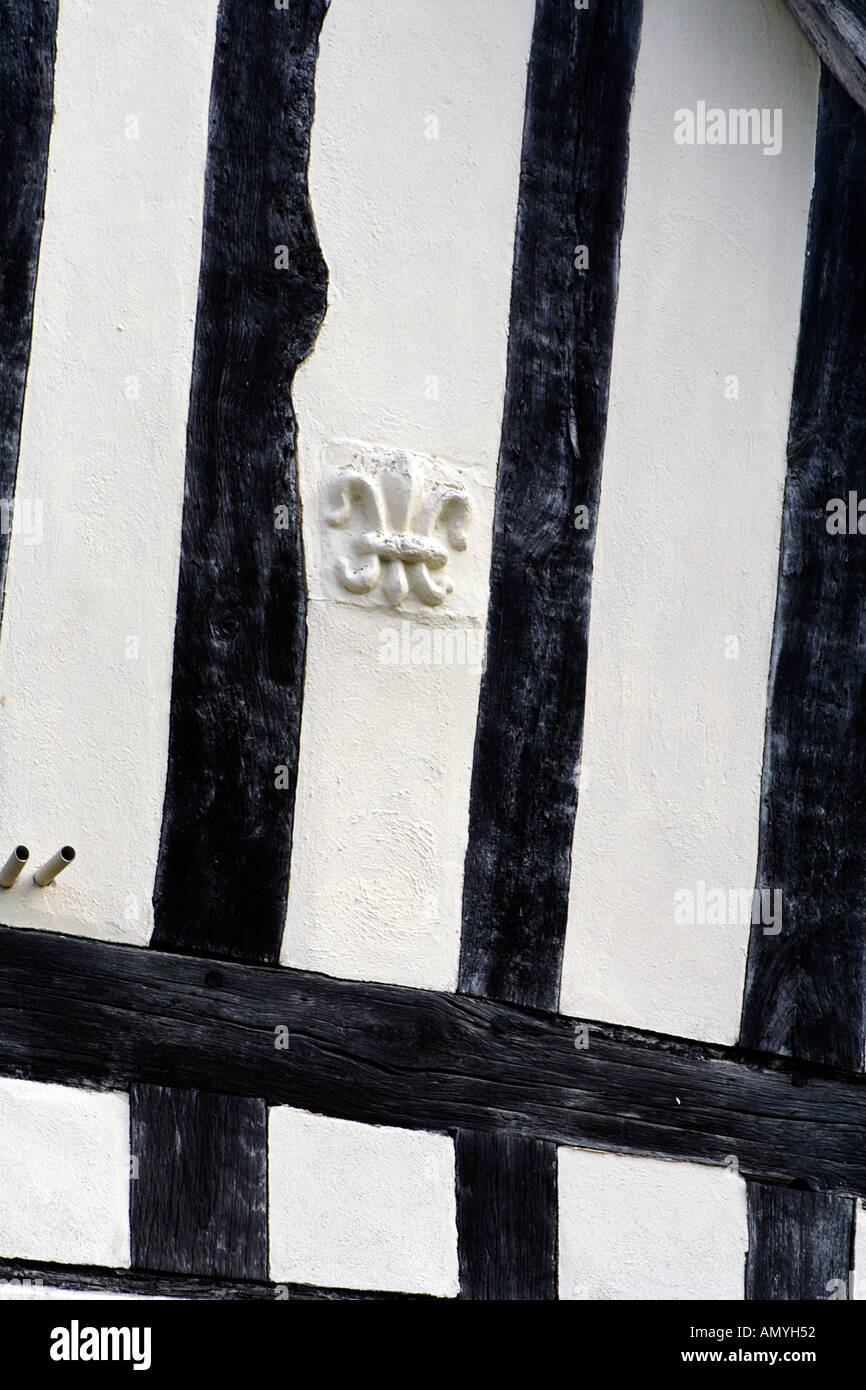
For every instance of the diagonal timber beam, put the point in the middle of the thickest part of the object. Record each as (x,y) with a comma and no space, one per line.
(837,31)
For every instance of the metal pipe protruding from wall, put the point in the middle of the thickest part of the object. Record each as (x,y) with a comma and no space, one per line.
(55,865)
(13,866)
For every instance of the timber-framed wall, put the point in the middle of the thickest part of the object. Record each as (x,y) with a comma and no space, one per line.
(494,1065)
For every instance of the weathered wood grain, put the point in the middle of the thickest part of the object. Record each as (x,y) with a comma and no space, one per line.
(530,718)
(97,1278)
(27,49)
(799,1244)
(806,987)
(94,1014)
(200,1206)
(507,1231)
(805,990)
(837,30)
(198,1195)
(240,636)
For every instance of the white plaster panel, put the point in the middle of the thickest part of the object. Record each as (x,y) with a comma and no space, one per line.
(687,547)
(642,1228)
(64,1174)
(413,177)
(361,1206)
(88,627)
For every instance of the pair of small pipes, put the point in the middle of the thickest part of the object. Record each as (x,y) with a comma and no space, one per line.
(47,874)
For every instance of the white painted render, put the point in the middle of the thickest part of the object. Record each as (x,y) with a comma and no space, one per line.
(361,1206)
(417,232)
(64,1174)
(414,170)
(635,1228)
(88,626)
(688,534)
(413,176)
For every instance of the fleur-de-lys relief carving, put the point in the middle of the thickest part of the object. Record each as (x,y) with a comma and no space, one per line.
(403,519)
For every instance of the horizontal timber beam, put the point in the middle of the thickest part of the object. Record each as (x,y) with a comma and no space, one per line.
(95,1014)
(144,1284)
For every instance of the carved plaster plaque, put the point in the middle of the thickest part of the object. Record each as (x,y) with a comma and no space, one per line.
(401,524)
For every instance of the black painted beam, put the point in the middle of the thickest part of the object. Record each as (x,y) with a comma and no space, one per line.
(800,1244)
(90,1013)
(530,718)
(507,1234)
(805,993)
(837,31)
(27,49)
(200,1205)
(806,987)
(199,1186)
(240,636)
(148,1284)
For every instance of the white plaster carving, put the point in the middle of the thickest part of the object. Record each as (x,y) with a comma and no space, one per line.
(404,517)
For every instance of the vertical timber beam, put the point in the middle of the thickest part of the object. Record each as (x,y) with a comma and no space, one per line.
(530,719)
(199,1201)
(240,638)
(199,1182)
(804,994)
(28,34)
